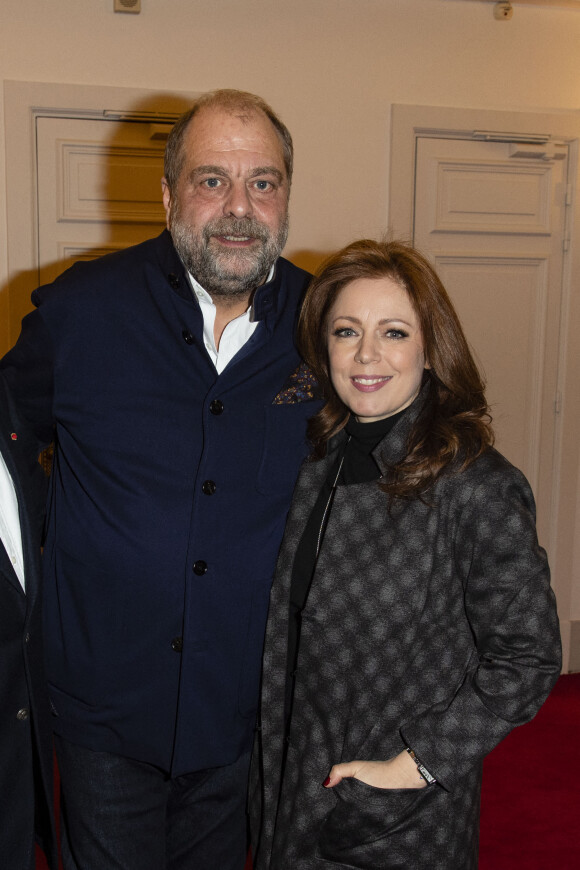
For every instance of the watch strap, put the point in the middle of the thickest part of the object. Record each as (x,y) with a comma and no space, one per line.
(423,772)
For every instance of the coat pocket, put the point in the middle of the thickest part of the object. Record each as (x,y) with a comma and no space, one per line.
(356,831)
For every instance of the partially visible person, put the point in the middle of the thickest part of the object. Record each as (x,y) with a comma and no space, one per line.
(168,376)
(412,624)
(26,754)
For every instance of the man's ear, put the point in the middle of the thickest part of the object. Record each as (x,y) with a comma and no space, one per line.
(166,200)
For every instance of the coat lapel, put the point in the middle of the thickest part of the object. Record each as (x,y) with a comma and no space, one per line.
(12,444)
(6,566)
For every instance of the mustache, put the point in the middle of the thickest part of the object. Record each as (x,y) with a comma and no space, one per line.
(236,227)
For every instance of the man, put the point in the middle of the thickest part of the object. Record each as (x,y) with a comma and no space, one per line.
(25,726)
(169,375)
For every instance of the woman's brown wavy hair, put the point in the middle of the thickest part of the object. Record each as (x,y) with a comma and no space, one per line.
(453,427)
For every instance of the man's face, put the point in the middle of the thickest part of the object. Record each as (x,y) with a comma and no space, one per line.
(229,215)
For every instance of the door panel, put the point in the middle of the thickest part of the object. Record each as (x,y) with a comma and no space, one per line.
(493,224)
(505,331)
(99,188)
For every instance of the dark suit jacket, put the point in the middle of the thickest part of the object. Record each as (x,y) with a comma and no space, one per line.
(169,496)
(432,625)
(25,728)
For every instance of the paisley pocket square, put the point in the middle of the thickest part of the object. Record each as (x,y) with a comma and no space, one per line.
(301,386)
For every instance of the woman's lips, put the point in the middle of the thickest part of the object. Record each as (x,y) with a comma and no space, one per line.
(369,384)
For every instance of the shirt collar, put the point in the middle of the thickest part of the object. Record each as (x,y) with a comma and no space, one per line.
(201,291)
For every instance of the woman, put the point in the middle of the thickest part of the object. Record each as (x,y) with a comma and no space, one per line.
(412,624)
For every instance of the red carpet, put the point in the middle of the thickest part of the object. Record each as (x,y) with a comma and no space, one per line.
(530,805)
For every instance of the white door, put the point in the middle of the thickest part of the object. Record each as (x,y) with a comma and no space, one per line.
(491,215)
(99,188)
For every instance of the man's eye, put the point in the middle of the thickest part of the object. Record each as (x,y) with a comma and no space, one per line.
(212,182)
(263,185)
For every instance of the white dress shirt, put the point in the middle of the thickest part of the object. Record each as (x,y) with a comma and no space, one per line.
(10,521)
(236,333)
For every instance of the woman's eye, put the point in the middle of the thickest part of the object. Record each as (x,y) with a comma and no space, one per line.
(344,332)
(397,333)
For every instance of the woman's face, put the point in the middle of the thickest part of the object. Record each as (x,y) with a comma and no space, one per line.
(375,348)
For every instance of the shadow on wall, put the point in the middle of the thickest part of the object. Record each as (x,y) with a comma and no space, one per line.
(105,194)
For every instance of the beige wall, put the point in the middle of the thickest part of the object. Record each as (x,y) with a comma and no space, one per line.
(331,68)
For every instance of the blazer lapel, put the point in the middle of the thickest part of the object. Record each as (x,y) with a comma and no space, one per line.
(11,447)
(7,568)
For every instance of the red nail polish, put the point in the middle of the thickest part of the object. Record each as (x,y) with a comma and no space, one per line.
(326,781)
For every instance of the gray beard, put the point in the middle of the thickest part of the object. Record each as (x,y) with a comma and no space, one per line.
(228,273)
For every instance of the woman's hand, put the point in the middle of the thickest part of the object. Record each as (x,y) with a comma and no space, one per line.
(398,772)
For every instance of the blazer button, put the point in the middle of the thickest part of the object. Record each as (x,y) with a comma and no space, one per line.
(199,567)
(177,644)
(187,336)
(217,407)
(173,280)
(208,487)
(23,714)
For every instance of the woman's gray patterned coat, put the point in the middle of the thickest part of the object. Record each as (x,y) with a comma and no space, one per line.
(432,626)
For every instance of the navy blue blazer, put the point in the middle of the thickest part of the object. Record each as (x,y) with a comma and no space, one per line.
(169,496)
(26,763)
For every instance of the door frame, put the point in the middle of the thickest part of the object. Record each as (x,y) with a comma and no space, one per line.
(24,103)
(408,123)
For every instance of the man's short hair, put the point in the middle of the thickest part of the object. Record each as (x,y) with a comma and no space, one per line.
(241,103)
